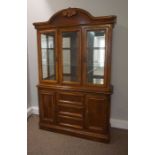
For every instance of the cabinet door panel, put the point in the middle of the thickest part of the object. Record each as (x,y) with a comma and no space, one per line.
(47,106)
(97,109)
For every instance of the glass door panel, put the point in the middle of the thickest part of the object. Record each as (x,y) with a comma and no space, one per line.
(95,56)
(70,56)
(48,56)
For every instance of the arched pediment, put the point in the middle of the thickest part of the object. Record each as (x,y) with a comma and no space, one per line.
(73,17)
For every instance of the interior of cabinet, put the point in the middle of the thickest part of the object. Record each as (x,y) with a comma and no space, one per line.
(95,48)
(70,47)
(48,56)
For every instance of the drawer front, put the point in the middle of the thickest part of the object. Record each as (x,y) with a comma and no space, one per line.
(72,98)
(70,110)
(71,122)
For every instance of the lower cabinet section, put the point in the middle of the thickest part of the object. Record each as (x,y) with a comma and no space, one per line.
(79,114)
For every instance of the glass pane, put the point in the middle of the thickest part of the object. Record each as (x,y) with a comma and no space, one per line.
(95,57)
(66,61)
(70,51)
(66,42)
(48,56)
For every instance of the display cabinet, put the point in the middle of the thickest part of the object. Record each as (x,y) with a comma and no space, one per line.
(74,62)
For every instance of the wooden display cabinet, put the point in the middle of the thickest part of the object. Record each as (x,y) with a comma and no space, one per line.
(74,59)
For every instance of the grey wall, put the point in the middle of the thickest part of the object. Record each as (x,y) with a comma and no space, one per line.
(43,9)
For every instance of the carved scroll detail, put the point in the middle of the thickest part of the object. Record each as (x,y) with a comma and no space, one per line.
(69,12)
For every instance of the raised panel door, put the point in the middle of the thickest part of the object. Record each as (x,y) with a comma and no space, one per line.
(47,106)
(97,113)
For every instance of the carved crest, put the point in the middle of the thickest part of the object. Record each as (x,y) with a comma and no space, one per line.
(69,12)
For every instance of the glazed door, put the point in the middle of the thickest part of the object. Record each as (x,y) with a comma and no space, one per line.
(48,59)
(70,61)
(95,49)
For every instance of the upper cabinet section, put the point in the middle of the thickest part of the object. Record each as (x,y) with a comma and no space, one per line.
(74,48)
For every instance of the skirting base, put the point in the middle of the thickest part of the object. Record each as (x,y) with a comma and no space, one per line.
(78,133)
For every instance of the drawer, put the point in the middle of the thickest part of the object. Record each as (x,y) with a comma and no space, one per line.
(68,121)
(70,110)
(72,98)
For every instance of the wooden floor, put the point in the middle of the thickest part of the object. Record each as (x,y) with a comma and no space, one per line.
(41,142)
